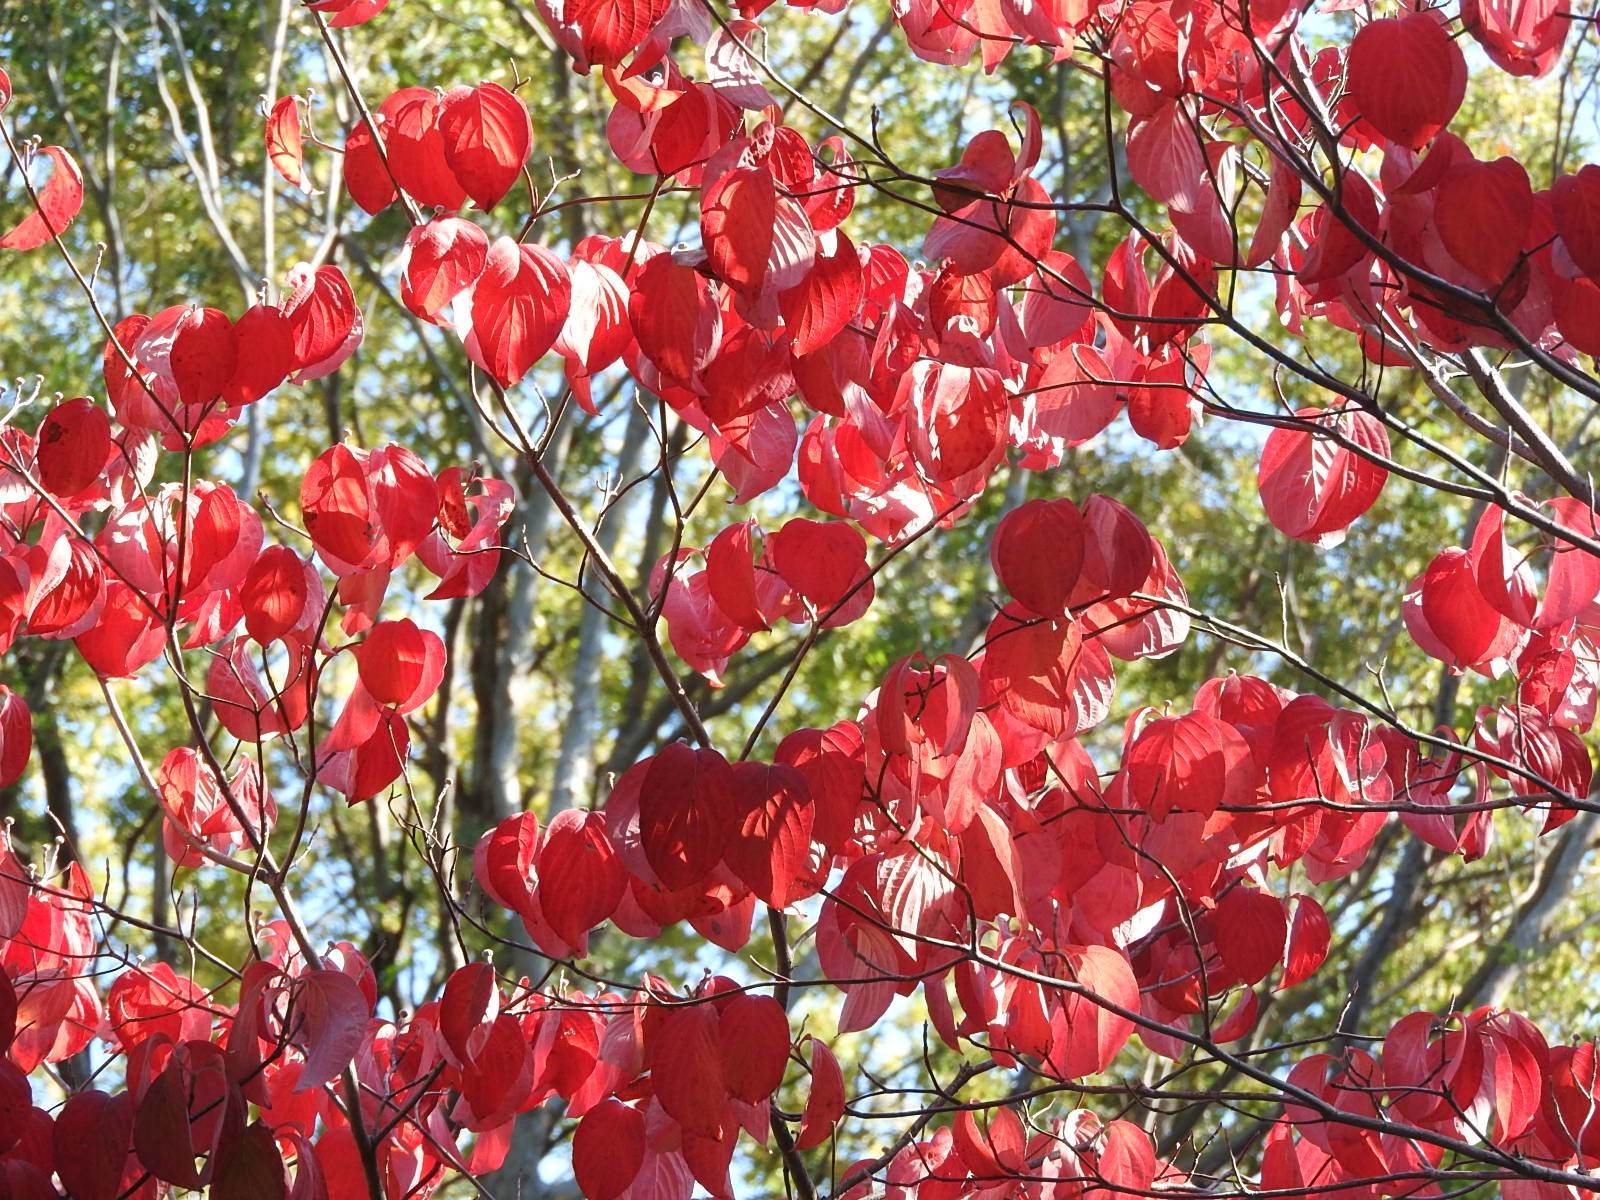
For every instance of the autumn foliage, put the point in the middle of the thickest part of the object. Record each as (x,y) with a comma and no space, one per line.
(952,842)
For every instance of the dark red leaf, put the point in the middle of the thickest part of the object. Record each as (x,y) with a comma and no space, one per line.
(683,1052)
(250,1168)
(608,1149)
(686,813)
(754,1033)
(1576,201)
(1250,932)
(471,997)
(93,1134)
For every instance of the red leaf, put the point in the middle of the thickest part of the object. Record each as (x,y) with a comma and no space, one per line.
(150,1001)
(1085,1036)
(1191,763)
(990,864)
(738,215)
(1574,577)
(443,259)
(187,1111)
(1119,554)
(596,333)
(274,593)
(8,994)
(1576,200)
(1477,196)
(754,453)
(825,1102)
(817,309)
(1335,246)
(487,136)
(675,318)
(684,1056)
(1029,666)
(16,1103)
(1057,304)
(608,1149)
(1167,157)
(1522,38)
(471,998)
(959,417)
(1037,553)
(1453,612)
(686,810)
(754,1033)
(748,597)
(126,637)
(993,1153)
(730,68)
(1307,944)
(709,1156)
(348,13)
(611,29)
(968,298)
(750,373)
(504,858)
(1239,1020)
(1250,932)
(1311,486)
(824,561)
(400,664)
(265,354)
(497,1078)
(285,147)
(380,760)
(58,202)
(324,320)
(365,177)
(581,880)
(519,305)
(1407,77)
(74,442)
(204,354)
(416,149)
(771,852)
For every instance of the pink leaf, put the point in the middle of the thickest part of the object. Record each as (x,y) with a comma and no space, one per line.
(285,146)
(333,1015)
